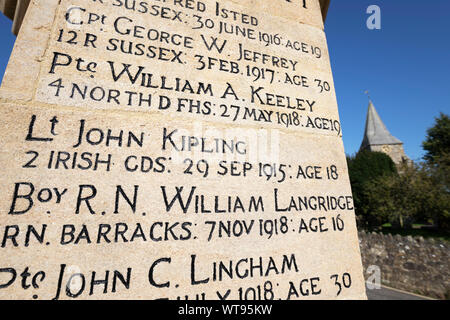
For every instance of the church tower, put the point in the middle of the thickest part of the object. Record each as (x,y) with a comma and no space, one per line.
(378,138)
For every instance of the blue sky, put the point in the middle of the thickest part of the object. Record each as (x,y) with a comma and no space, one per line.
(405,66)
(6,42)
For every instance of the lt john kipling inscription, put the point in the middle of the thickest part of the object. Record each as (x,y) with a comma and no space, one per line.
(175,150)
(127,218)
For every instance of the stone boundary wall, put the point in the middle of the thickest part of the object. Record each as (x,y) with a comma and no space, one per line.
(416,264)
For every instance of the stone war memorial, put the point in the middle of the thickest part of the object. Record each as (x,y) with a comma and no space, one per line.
(173,149)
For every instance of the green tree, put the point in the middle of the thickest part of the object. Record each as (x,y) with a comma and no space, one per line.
(438,176)
(395,198)
(437,168)
(417,195)
(437,141)
(366,166)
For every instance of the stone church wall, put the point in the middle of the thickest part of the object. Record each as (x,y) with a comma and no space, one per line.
(396,152)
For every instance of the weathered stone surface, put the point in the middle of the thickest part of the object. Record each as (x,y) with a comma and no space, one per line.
(19,81)
(188,167)
(422,268)
(307,12)
(15,10)
(196,225)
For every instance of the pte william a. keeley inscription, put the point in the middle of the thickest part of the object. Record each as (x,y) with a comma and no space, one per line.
(174,149)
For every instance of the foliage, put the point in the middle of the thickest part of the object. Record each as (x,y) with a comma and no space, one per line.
(364,167)
(437,157)
(438,173)
(437,141)
(414,195)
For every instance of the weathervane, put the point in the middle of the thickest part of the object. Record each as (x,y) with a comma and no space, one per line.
(368,94)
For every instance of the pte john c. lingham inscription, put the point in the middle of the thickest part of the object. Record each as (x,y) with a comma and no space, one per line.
(174,149)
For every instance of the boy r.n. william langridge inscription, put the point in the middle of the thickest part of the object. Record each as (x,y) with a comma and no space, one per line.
(174,150)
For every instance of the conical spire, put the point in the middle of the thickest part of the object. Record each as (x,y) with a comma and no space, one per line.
(376,132)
